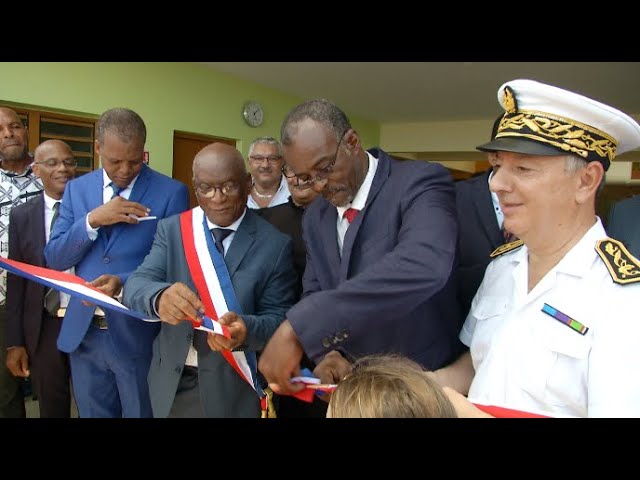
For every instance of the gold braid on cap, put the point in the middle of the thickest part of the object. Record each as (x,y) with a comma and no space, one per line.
(562,133)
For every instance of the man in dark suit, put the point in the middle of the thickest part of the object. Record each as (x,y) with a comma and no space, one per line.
(31,329)
(102,232)
(381,245)
(479,230)
(190,376)
(624,223)
(479,234)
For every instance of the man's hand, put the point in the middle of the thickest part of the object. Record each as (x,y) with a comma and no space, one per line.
(332,368)
(18,362)
(464,408)
(116,210)
(237,329)
(178,303)
(280,360)
(110,285)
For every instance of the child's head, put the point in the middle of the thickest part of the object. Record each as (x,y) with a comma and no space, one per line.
(386,386)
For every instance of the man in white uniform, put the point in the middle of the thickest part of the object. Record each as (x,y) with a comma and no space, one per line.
(554,328)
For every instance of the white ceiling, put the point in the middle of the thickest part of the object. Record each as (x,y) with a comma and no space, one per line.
(436,91)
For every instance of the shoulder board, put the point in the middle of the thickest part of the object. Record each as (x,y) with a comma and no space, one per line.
(623,267)
(507,247)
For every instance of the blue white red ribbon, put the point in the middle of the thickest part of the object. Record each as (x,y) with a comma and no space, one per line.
(79,287)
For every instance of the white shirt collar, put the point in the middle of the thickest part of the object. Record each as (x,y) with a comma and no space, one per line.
(575,262)
(496,203)
(360,200)
(50,202)
(234,226)
(106,181)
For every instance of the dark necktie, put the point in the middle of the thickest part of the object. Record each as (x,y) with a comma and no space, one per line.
(350,214)
(220,234)
(56,212)
(51,297)
(116,190)
(116,193)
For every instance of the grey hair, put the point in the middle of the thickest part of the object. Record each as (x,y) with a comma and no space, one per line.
(268,141)
(574,163)
(320,111)
(126,124)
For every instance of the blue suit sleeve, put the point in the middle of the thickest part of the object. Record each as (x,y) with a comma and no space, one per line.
(271,306)
(69,242)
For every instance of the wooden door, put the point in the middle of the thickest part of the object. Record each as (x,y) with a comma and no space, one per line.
(185,147)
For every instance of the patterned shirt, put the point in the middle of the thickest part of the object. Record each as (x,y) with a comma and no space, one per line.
(14,190)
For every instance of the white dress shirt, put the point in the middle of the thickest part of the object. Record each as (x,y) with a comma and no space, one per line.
(49,203)
(358,202)
(107,193)
(496,204)
(192,355)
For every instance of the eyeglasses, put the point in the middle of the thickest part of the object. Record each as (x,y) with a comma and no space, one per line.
(51,163)
(272,159)
(229,189)
(303,182)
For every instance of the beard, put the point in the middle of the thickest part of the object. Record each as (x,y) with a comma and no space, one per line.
(338,195)
(14,154)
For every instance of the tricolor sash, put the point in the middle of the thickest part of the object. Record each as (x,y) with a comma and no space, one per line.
(213,283)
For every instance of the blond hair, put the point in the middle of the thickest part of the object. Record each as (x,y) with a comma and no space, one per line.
(389,386)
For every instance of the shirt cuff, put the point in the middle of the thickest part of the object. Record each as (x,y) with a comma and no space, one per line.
(92,233)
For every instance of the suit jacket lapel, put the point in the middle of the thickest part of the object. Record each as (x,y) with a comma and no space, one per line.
(382,173)
(138,191)
(484,206)
(242,241)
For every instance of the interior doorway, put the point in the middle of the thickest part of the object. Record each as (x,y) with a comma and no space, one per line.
(185,147)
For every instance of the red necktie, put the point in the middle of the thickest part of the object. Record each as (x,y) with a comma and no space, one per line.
(350,214)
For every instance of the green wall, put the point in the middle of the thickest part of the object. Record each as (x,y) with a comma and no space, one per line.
(169,96)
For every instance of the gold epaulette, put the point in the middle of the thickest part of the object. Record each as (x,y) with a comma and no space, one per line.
(623,267)
(507,247)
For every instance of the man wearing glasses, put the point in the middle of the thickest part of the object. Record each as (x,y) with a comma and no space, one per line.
(189,376)
(268,186)
(33,318)
(381,244)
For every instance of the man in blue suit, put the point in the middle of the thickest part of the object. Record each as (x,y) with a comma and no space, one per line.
(624,223)
(189,375)
(381,245)
(99,234)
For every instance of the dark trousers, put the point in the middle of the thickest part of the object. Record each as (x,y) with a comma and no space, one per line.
(50,371)
(11,396)
(187,403)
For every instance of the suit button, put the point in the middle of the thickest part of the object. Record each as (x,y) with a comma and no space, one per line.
(178,370)
(343,335)
(326,342)
(335,340)
(107,259)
